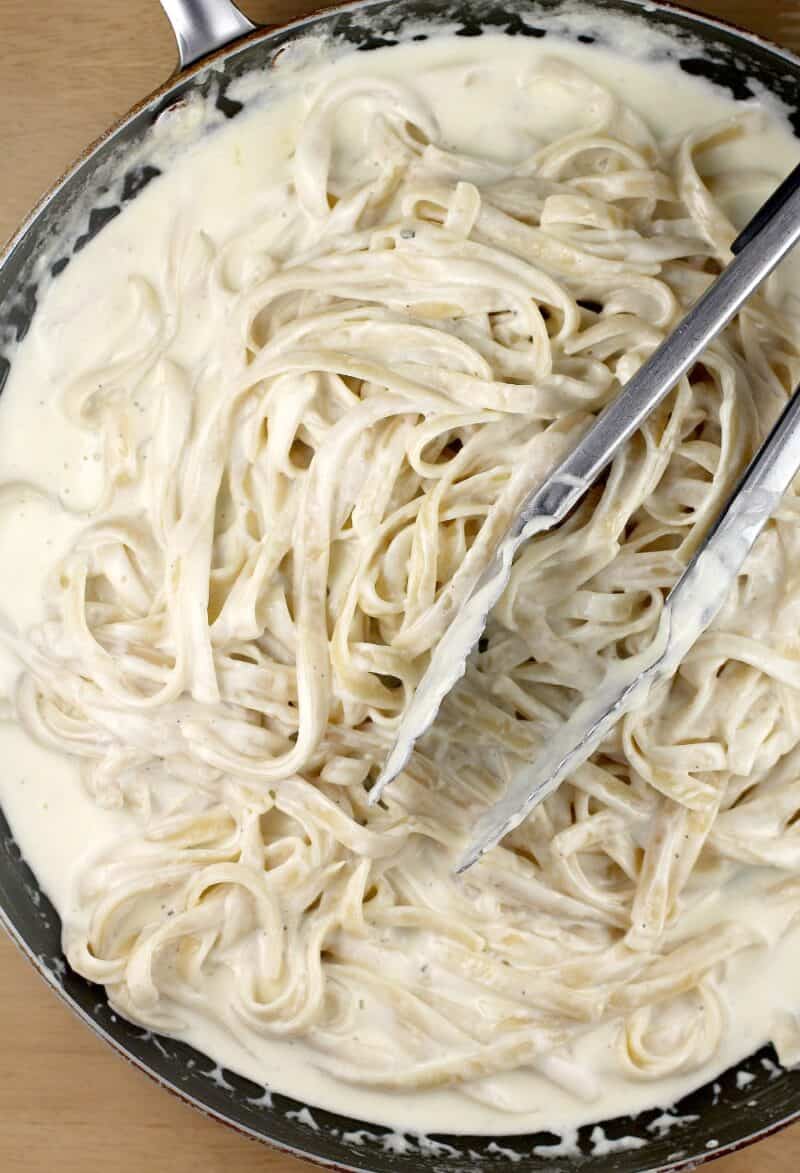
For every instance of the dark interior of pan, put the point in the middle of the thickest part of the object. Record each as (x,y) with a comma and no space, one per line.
(744,1103)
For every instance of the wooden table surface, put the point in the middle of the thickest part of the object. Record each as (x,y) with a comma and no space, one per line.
(69,67)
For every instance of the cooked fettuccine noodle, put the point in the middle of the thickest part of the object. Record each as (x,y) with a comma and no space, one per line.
(389,364)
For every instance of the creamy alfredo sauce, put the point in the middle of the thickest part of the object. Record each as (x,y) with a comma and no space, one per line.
(93,318)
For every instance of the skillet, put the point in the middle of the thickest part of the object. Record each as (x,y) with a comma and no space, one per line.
(217,46)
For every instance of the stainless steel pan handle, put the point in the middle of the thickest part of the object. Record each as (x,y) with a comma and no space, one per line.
(201,26)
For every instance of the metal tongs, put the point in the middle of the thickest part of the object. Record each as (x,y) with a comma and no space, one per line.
(695,599)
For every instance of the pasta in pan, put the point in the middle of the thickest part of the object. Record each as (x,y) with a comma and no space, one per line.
(389,368)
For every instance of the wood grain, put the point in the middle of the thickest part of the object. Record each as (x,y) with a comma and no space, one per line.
(66,1101)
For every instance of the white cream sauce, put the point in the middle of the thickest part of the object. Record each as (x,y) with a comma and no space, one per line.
(212,184)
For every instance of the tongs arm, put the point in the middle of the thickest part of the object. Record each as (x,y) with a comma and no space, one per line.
(689,609)
(769,236)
